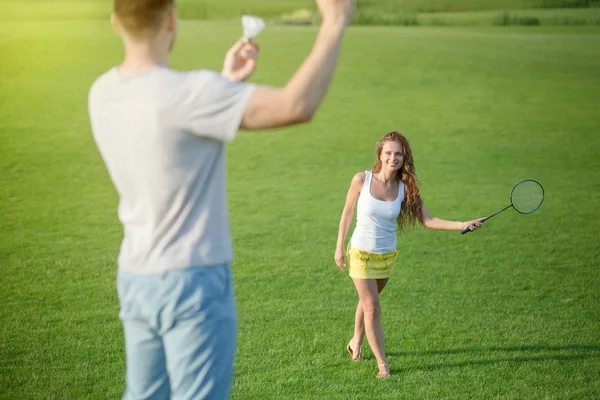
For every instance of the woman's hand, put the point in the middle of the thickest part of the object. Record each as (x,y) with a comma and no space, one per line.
(340,258)
(474,224)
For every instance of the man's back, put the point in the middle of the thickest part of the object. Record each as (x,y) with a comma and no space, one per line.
(161,134)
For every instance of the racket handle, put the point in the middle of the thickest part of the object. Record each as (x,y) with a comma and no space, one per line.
(467,230)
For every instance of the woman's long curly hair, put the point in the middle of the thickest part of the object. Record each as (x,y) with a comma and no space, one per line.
(412,206)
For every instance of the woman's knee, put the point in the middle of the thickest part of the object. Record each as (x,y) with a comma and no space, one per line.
(371,307)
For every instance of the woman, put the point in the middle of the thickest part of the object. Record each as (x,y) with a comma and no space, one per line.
(386,196)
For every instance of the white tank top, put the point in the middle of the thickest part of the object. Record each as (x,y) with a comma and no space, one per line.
(375,230)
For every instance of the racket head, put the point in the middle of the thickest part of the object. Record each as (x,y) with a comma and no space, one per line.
(527,196)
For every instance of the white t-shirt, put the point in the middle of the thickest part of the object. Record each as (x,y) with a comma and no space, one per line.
(161,134)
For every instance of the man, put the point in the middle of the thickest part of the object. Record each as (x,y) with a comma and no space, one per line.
(161,134)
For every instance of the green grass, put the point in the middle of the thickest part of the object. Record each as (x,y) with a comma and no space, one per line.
(545,17)
(511,312)
(369,12)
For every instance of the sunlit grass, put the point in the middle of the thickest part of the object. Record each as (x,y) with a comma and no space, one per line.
(509,312)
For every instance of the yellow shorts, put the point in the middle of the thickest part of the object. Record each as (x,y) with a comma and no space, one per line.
(365,265)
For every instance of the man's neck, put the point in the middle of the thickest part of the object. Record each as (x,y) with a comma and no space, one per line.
(143,56)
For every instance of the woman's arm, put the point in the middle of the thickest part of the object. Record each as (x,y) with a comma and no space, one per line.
(432,222)
(355,187)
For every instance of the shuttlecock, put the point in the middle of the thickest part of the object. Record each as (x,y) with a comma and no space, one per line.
(252,26)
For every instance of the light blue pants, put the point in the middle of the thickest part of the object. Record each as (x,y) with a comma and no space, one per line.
(180,333)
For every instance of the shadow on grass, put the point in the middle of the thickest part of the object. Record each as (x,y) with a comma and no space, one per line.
(582,352)
(532,348)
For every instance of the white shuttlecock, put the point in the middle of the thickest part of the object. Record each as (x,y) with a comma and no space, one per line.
(252,26)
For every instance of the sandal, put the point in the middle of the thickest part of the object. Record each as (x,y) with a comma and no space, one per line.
(385,373)
(358,356)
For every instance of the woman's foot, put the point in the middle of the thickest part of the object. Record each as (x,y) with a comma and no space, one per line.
(384,371)
(355,352)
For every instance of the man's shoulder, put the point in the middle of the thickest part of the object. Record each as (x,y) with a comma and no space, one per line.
(170,76)
(103,80)
(103,87)
(199,78)
(191,77)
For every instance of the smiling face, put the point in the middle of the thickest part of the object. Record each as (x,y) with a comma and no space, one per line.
(391,156)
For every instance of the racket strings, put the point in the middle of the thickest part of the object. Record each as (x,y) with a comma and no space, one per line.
(527,196)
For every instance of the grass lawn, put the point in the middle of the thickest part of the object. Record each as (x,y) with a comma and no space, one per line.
(511,311)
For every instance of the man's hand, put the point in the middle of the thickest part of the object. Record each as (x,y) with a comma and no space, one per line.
(240,61)
(336,11)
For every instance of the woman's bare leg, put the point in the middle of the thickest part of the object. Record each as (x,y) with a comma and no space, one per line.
(368,319)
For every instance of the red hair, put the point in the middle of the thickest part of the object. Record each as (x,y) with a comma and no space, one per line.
(412,206)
